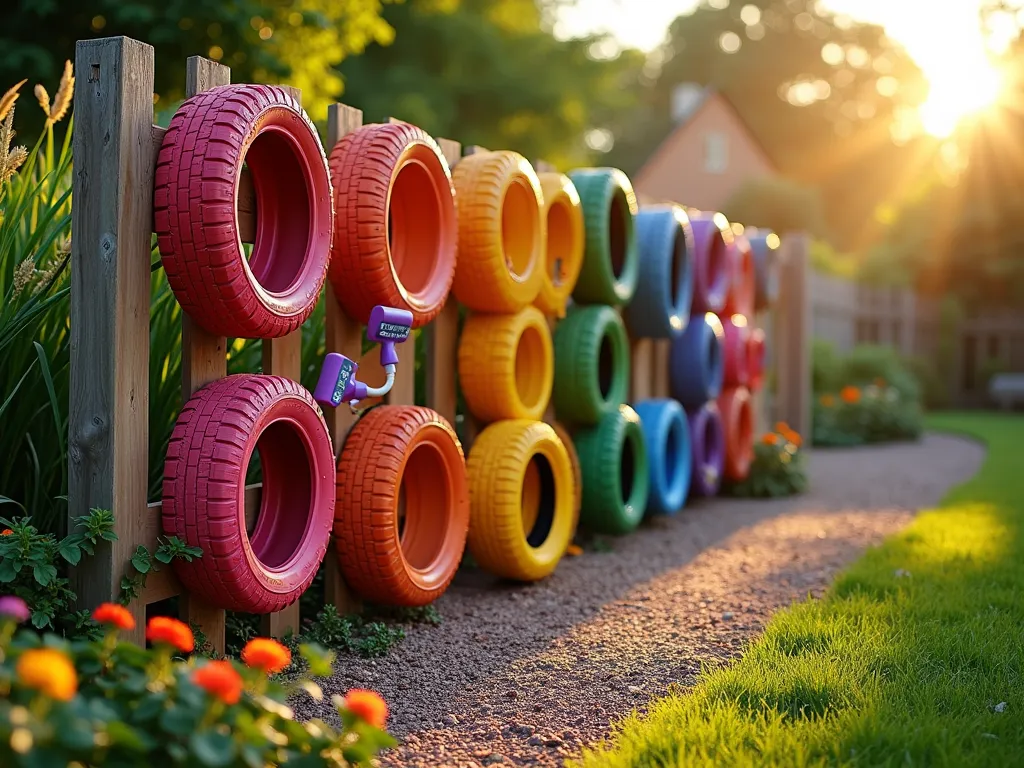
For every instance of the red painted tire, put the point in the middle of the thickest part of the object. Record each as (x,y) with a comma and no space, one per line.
(755,358)
(399,459)
(197,177)
(217,433)
(743,281)
(738,422)
(395,234)
(735,343)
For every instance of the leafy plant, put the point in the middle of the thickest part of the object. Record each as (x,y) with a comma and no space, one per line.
(105,702)
(143,562)
(873,414)
(778,467)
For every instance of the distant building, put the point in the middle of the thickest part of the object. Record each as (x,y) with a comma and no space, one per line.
(708,155)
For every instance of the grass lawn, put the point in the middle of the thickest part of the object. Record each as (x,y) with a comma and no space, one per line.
(887,669)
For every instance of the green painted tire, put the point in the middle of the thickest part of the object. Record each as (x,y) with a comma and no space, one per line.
(613,462)
(611,262)
(591,364)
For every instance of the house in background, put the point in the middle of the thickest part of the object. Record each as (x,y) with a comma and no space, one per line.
(707,156)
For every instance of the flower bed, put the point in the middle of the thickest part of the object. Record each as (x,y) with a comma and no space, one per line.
(778,466)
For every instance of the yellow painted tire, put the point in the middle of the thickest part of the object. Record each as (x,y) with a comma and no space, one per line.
(521,499)
(577,474)
(501,232)
(565,239)
(507,365)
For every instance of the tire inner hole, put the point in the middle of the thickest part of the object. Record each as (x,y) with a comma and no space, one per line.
(560,239)
(528,365)
(414,222)
(679,256)
(519,217)
(672,452)
(627,468)
(538,500)
(606,366)
(421,507)
(618,231)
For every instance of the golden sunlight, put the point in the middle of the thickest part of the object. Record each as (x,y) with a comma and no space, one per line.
(956,95)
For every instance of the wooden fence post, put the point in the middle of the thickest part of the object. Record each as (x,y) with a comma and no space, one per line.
(108,429)
(792,329)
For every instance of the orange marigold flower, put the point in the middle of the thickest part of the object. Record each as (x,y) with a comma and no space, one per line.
(850,394)
(220,679)
(781,427)
(164,629)
(794,437)
(48,671)
(6,532)
(770,438)
(368,705)
(828,401)
(266,654)
(112,613)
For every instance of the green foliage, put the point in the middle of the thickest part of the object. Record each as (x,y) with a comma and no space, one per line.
(778,204)
(778,467)
(874,414)
(33,565)
(137,707)
(829,261)
(487,72)
(912,658)
(143,562)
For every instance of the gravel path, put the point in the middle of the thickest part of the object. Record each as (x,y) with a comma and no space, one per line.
(527,674)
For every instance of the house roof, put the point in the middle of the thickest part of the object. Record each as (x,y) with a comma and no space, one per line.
(703,99)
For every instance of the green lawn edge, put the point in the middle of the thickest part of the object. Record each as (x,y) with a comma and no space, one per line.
(915,656)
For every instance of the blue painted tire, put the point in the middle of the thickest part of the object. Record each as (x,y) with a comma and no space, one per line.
(669,463)
(695,366)
(764,247)
(660,307)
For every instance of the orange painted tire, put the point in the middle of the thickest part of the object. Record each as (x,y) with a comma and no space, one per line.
(501,232)
(401,459)
(565,239)
(395,230)
(577,473)
(506,365)
(738,421)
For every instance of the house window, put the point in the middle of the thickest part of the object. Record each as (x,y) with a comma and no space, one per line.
(716,153)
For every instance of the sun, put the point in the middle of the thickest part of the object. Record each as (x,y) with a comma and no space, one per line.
(957,92)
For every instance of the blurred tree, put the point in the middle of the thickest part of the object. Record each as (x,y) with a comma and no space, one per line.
(778,204)
(824,96)
(294,41)
(490,72)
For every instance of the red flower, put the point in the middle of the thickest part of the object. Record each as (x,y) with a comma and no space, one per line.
(266,654)
(367,705)
(164,629)
(220,679)
(116,615)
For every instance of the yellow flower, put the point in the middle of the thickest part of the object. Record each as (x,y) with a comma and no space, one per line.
(48,671)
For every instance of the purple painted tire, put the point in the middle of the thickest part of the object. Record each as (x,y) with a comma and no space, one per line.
(707,449)
(712,238)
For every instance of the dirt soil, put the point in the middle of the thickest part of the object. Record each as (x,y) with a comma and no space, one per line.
(527,674)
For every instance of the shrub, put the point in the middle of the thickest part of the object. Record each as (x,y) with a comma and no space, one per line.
(872,414)
(105,702)
(778,466)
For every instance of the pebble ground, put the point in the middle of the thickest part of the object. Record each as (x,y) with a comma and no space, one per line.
(527,674)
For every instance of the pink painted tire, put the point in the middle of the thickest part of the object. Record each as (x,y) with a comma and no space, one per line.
(197,179)
(743,280)
(736,353)
(217,433)
(755,359)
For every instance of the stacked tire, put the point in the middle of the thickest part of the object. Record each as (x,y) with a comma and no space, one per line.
(523,506)
(660,310)
(402,492)
(592,363)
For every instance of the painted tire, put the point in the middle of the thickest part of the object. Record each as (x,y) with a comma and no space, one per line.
(501,232)
(660,308)
(707,449)
(738,422)
(616,481)
(610,261)
(695,361)
(216,434)
(764,245)
(401,459)
(743,281)
(756,358)
(711,273)
(667,438)
(577,475)
(521,487)
(395,233)
(506,365)
(736,352)
(564,242)
(194,200)
(591,364)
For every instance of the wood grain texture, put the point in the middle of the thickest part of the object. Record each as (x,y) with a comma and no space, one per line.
(792,360)
(641,369)
(660,349)
(108,425)
(203,359)
(345,336)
